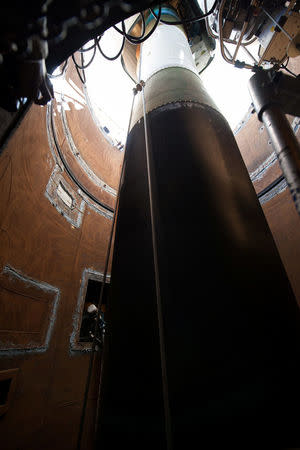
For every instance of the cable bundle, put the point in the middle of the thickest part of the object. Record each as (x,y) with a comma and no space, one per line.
(130,38)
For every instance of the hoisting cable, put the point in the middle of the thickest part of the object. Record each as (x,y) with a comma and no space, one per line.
(126,71)
(153,209)
(96,325)
(107,260)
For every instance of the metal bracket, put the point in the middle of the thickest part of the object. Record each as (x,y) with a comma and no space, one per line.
(270,87)
(139,87)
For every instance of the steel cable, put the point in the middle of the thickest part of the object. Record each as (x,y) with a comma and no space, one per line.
(92,356)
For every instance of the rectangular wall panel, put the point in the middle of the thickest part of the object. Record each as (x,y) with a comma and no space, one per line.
(27,311)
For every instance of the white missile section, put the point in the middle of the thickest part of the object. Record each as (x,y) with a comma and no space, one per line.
(167,47)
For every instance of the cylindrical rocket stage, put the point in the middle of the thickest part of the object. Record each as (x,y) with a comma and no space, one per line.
(231,325)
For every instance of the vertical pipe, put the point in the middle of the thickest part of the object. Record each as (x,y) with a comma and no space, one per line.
(266,97)
(286,147)
(154,219)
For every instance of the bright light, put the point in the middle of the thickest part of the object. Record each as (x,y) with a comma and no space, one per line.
(228,87)
(226,84)
(110,88)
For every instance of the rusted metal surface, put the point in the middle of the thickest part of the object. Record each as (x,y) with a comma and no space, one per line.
(27,313)
(284,224)
(38,242)
(266,174)
(94,148)
(85,177)
(253,143)
(72,214)
(92,159)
